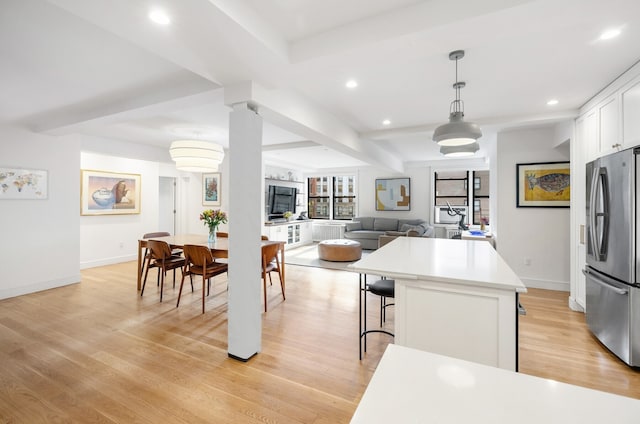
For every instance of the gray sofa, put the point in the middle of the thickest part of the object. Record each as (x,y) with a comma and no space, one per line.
(367,230)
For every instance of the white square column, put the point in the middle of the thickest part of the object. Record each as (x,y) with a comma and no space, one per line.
(245,227)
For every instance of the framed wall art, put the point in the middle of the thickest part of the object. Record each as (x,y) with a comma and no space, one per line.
(23,183)
(109,193)
(543,185)
(211,186)
(393,194)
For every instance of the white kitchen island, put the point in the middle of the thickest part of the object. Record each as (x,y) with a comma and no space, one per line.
(411,386)
(452,297)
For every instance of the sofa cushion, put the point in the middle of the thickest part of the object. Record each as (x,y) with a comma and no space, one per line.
(362,235)
(385,224)
(353,226)
(395,233)
(366,221)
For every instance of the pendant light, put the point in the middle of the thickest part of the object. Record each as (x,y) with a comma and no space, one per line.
(460,151)
(457,132)
(196,155)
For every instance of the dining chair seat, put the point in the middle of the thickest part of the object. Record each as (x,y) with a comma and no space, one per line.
(146,257)
(162,258)
(200,260)
(271,263)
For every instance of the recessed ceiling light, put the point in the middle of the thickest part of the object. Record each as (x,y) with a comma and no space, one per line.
(386,122)
(552,102)
(351,84)
(610,33)
(160,17)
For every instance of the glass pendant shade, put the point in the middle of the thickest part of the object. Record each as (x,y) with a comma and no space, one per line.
(196,155)
(460,151)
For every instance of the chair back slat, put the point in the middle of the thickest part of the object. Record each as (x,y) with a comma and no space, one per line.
(269,253)
(156,234)
(159,249)
(197,255)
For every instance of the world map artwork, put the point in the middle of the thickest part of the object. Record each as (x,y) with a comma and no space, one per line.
(18,183)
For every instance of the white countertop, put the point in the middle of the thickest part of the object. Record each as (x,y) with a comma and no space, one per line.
(412,386)
(446,260)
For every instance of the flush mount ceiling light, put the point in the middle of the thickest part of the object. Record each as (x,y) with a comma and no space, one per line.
(610,33)
(351,84)
(460,150)
(457,132)
(196,155)
(160,17)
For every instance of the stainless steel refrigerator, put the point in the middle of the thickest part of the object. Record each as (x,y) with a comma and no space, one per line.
(612,289)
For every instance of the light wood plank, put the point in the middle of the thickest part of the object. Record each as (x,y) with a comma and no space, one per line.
(98,352)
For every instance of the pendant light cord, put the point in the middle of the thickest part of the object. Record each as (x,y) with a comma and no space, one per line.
(457,106)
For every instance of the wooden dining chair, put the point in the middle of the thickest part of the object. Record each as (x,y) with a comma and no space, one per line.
(146,258)
(199,260)
(222,234)
(161,257)
(270,263)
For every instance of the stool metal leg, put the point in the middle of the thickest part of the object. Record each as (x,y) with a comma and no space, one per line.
(362,309)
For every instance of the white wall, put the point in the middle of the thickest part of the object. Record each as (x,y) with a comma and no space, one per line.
(114,238)
(40,238)
(538,234)
(420,193)
(108,239)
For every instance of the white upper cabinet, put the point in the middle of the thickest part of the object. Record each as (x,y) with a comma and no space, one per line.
(587,134)
(609,125)
(631,115)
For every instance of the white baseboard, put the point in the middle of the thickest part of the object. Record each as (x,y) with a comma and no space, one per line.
(546,284)
(40,286)
(574,305)
(108,261)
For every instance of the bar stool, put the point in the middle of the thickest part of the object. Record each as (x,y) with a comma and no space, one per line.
(385,288)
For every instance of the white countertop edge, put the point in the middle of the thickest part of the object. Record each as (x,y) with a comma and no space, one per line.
(412,386)
(458,281)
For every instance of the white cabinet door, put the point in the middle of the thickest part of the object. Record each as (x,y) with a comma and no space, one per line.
(306,233)
(588,134)
(631,115)
(278,233)
(609,126)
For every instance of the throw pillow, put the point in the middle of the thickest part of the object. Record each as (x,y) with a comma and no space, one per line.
(417,228)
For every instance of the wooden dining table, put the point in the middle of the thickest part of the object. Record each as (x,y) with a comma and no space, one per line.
(221,244)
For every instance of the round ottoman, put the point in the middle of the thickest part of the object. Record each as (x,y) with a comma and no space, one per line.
(339,250)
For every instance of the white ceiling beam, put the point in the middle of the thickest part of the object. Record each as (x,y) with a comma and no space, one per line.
(288,146)
(293,113)
(166,98)
(420,17)
(496,124)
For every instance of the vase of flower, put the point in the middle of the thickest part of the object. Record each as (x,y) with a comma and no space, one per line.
(212,219)
(213,234)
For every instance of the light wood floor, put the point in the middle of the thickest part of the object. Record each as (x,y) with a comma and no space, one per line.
(97,352)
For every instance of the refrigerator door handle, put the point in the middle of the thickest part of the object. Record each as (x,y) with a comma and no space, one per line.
(599,245)
(591,233)
(616,290)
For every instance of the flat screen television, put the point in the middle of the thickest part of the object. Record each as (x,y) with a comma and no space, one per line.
(282,199)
